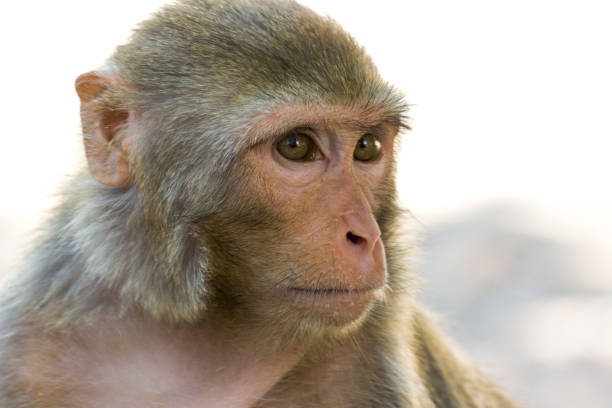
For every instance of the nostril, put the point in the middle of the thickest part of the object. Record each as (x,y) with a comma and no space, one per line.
(355,239)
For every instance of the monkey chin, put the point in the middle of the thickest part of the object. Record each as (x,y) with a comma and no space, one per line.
(333,307)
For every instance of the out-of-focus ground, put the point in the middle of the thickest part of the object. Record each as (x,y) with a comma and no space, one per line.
(533,310)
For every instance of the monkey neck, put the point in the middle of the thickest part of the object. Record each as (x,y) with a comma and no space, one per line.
(242,369)
(214,365)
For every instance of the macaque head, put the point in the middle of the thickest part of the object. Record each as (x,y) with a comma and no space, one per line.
(260,142)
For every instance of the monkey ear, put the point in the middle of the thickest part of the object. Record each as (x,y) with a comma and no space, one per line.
(105,130)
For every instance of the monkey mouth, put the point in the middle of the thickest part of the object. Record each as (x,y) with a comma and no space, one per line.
(338,306)
(330,291)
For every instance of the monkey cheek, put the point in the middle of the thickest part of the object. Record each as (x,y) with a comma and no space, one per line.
(377,269)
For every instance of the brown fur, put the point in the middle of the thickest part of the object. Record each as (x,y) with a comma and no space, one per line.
(130,278)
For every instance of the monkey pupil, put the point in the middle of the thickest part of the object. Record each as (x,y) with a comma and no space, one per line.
(367,149)
(295,147)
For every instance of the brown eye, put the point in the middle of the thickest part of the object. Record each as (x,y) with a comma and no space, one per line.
(296,147)
(367,149)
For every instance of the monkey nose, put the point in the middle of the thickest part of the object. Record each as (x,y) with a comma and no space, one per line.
(363,233)
(355,239)
(361,250)
(359,243)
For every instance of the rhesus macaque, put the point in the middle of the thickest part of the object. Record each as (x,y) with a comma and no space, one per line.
(233,242)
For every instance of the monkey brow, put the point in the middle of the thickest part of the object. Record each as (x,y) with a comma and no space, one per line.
(266,135)
(356,126)
(369,121)
(361,127)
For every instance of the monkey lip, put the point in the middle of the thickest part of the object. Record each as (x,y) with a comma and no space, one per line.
(338,306)
(333,297)
(330,292)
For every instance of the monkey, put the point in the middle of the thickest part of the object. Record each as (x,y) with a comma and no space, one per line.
(235,238)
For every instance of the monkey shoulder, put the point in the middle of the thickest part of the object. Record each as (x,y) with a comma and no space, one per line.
(106,364)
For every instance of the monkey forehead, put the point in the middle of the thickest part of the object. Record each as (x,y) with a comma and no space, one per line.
(231,50)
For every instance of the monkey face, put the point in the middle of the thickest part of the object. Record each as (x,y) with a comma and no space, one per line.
(301,233)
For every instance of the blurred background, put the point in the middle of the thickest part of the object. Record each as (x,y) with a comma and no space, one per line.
(506,170)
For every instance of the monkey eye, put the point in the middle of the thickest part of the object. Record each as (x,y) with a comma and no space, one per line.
(367,149)
(297,147)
